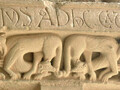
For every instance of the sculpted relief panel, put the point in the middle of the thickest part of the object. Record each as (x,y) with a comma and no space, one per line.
(53,56)
(59,41)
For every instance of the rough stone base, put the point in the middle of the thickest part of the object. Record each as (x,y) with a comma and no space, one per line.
(58,85)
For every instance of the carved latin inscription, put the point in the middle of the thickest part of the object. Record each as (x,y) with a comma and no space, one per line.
(78,18)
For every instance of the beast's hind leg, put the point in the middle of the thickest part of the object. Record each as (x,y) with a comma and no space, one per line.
(103,73)
(12,56)
(37,58)
(112,58)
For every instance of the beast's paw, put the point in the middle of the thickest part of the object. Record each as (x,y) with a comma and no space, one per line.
(38,77)
(14,77)
(105,79)
(58,74)
(66,74)
(82,77)
(27,76)
(93,77)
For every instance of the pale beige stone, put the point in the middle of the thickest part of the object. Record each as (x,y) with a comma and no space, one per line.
(59,44)
(90,86)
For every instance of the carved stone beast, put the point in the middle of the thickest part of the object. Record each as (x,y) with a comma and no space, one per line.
(46,46)
(75,45)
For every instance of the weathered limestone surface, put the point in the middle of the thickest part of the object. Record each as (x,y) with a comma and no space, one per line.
(59,45)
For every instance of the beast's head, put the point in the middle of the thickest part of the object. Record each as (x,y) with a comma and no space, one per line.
(45,67)
(79,67)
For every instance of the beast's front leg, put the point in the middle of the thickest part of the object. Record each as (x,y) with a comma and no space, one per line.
(88,56)
(37,58)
